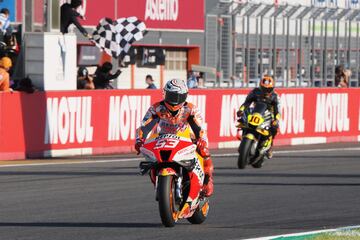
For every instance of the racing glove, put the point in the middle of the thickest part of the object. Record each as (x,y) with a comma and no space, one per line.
(240,112)
(275,123)
(138,145)
(202,148)
(208,187)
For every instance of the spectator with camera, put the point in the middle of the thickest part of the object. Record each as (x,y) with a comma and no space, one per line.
(84,80)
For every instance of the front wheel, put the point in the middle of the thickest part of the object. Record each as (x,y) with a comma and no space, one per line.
(244,152)
(200,214)
(166,197)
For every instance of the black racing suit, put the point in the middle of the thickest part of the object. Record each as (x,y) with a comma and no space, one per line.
(69,16)
(272,101)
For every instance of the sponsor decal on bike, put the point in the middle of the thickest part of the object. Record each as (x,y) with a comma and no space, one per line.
(68,120)
(199,172)
(188,150)
(162,136)
(332,112)
(125,115)
(292,113)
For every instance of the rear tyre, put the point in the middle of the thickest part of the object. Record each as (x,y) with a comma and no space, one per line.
(200,214)
(166,196)
(244,152)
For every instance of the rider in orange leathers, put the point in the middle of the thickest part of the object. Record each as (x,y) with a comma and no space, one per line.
(174,114)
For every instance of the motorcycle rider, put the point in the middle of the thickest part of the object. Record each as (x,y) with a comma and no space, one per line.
(265,93)
(172,114)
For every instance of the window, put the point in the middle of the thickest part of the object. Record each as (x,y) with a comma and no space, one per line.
(176,60)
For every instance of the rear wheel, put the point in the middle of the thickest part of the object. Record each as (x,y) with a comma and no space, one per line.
(244,152)
(200,214)
(166,196)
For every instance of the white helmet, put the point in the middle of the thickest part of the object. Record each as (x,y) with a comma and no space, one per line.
(175,92)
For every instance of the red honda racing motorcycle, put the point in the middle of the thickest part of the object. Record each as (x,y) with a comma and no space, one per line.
(178,173)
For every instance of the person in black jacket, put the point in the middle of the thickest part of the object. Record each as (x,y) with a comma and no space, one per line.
(69,16)
(265,93)
(103,76)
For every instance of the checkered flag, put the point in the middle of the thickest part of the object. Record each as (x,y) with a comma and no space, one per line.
(116,37)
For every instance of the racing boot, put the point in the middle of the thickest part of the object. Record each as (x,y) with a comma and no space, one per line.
(208,187)
(269,153)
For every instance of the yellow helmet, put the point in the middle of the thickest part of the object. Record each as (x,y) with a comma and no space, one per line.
(5,62)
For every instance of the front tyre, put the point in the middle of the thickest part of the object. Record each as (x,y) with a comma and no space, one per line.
(244,152)
(166,196)
(200,214)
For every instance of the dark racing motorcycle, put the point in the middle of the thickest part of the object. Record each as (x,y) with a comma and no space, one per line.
(256,138)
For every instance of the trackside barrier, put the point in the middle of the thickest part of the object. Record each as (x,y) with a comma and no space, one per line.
(51,124)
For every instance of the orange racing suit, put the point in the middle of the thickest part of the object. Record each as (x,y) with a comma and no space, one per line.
(160,120)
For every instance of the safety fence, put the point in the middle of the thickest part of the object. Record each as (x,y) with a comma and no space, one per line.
(299,45)
(49,124)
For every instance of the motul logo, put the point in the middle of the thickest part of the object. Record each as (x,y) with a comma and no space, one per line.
(68,120)
(332,112)
(292,113)
(125,115)
(359,117)
(200,102)
(230,105)
(162,10)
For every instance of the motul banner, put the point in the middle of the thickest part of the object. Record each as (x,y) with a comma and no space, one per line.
(104,121)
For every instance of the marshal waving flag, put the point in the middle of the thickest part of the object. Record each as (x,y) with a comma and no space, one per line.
(116,37)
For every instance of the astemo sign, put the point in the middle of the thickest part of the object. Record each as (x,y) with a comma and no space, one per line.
(163,10)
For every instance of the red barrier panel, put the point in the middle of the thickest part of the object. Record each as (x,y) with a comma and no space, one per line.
(104,121)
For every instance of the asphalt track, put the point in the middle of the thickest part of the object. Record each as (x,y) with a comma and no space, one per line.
(296,191)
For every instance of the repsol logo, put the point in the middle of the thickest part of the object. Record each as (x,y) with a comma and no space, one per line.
(68,120)
(162,10)
(125,115)
(229,106)
(292,113)
(332,112)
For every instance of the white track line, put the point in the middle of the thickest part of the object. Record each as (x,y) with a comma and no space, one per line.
(139,158)
(305,233)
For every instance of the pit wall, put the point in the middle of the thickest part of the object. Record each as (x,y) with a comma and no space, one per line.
(62,123)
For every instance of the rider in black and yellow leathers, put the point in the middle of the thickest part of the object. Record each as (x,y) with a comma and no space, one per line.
(265,93)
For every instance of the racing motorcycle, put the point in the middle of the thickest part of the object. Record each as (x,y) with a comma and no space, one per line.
(179,173)
(256,139)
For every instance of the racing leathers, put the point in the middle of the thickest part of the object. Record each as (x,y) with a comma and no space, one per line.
(162,121)
(273,103)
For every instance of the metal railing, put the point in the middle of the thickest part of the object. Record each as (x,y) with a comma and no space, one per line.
(299,45)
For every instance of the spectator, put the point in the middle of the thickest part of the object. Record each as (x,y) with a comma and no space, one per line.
(103,76)
(150,82)
(200,80)
(84,80)
(5,21)
(25,85)
(192,80)
(342,76)
(5,65)
(69,16)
